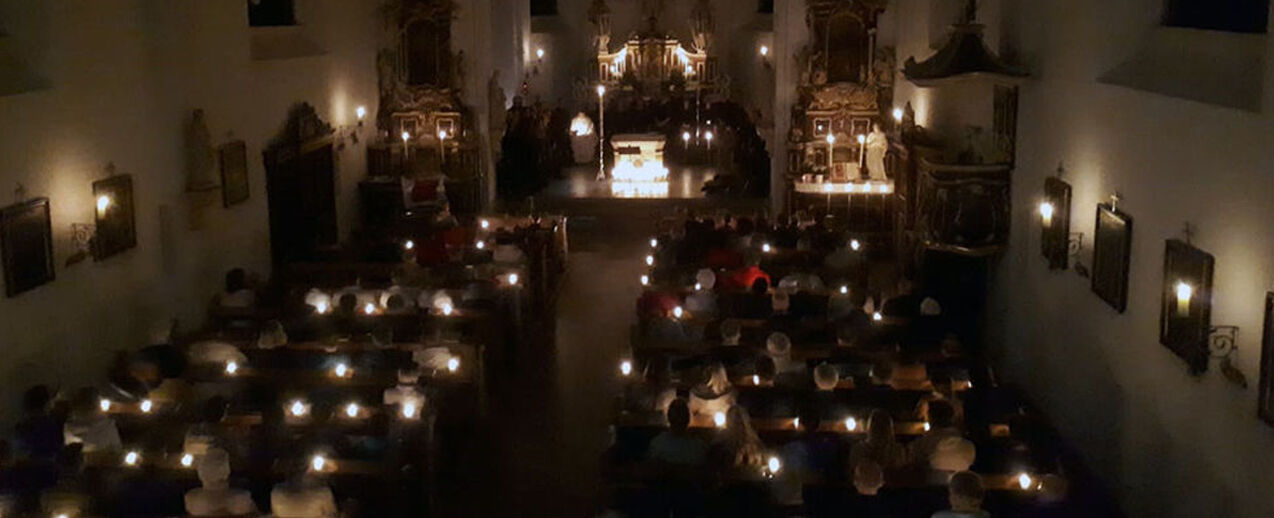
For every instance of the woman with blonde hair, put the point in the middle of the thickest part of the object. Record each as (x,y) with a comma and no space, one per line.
(738,447)
(715,394)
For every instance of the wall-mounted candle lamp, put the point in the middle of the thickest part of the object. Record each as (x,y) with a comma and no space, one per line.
(626,367)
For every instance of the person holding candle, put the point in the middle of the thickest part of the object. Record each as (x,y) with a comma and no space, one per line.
(215,497)
(715,394)
(737,451)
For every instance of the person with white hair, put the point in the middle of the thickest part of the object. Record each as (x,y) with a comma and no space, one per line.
(952,455)
(826,377)
(216,497)
(703,301)
(272,335)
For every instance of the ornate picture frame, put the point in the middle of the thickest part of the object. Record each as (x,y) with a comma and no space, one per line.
(233,159)
(1112,249)
(1055,231)
(1185,312)
(116,223)
(1265,391)
(26,244)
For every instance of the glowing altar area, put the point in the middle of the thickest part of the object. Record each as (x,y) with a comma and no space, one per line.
(639,170)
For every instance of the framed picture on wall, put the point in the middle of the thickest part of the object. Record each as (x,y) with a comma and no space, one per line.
(233,157)
(1185,313)
(116,225)
(1265,398)
(1112,248)
(26,243)
(1055,223)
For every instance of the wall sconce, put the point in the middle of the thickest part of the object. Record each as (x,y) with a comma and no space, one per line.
(1054,211)
(1185,316)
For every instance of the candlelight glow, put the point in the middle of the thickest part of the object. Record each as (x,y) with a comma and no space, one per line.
(877,316)
(512,279)
(298,408)
(1024,481)
(1046,213)
(484,224)
(862,139)
(187,460)
(685,136)
(453,364)
(132,458)
(831,139)
(756,379)
(320,308)
(1185,292)
(677,312)
(645,280)
(406,136)
(409,410)
(855,245)
(698,287)
(442,134)
(447,310)
(926,426)
(851,424)
(601,90)
(480,245)
(774,464)
(232,366)
(146,406)
(650,260)
(844,290)
(765,50)
(360,112)
(351,410)
(318,462)
(626,367)
(897,114)
(409,244)
(654,243)
(719,419)
(369,309)
(766,248)
(708,135)
(341,370)
(539,53)
(105,405)
(103,203)
(796,423)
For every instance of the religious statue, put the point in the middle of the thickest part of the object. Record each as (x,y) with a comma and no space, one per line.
(599,16)
(877,145)
(701,19)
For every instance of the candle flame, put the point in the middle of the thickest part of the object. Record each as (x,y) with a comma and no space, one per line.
(147,405)
(453,364)
(1024,481)
(233,366)
(719,419)
(626,367)
(187,460)
(351,410)
(851,424)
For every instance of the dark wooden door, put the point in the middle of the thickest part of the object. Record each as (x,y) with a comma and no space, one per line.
(301,186)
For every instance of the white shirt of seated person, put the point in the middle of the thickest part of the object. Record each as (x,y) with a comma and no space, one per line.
(302,497)
(405,391)
(216,497)
(95,432)
(215,352)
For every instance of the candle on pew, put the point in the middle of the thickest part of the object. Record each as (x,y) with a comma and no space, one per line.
(298,408)
(232,367)
(626,367)
(766,248)
(877,317)
(320,308)
(654,243)
(369,309)
(480,245)
(773,465)
(104,404)
(146,406)
(352,410)
(719,419)
(645,280)
(453,364)
(1025,481)
(318,462)
(410,410)
(650,260)
(851,424)
(512,279)
(677,312)
(132,458)
(484,224)
(342,370)
(187,460)
(796,423)
(756,380)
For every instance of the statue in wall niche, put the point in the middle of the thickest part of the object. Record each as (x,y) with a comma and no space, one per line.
(883,67)
(702,26)
(201,177)
(877,145)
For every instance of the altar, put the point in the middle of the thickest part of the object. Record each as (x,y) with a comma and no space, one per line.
(639,170)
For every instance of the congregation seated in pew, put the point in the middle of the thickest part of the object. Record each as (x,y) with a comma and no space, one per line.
(215,497)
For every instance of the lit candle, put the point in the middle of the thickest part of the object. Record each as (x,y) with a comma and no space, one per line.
(756,379)
(351,410)
(298,408)
(447,309)
(341,370)
(766,248)
(897,114)
(765,50)
(796,423)
(132,458)
(708,135)
(409,410)
(855,245)
(851,424)
(187,460)
(677,312)
(626,367)
(369,309)
(774,465)
(719,419)
(318,462)
(512,279)
(862,151)
(453,364)
(480,245)
(698,287)
(104,404)
(232,366)
(1024,481)
(654,243)
(484,224)
(146,406)
(442,148)
(926,426)
(406,150)
(844,290)
(645,280)
(877,316)
(831,151)
(361,112)
(650,260)
(685,139)
(103,203)
(539,53)
(409,244)
(1046,213)
(1184,293)
(320,308)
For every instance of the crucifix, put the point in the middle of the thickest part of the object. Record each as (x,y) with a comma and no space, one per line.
(1114,201)
(1188,232)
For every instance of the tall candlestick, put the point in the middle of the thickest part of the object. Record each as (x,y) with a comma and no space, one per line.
(442,150)
(831,151)
(601,140)
(862,152)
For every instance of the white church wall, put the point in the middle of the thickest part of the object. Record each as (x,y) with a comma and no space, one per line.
(123,78)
